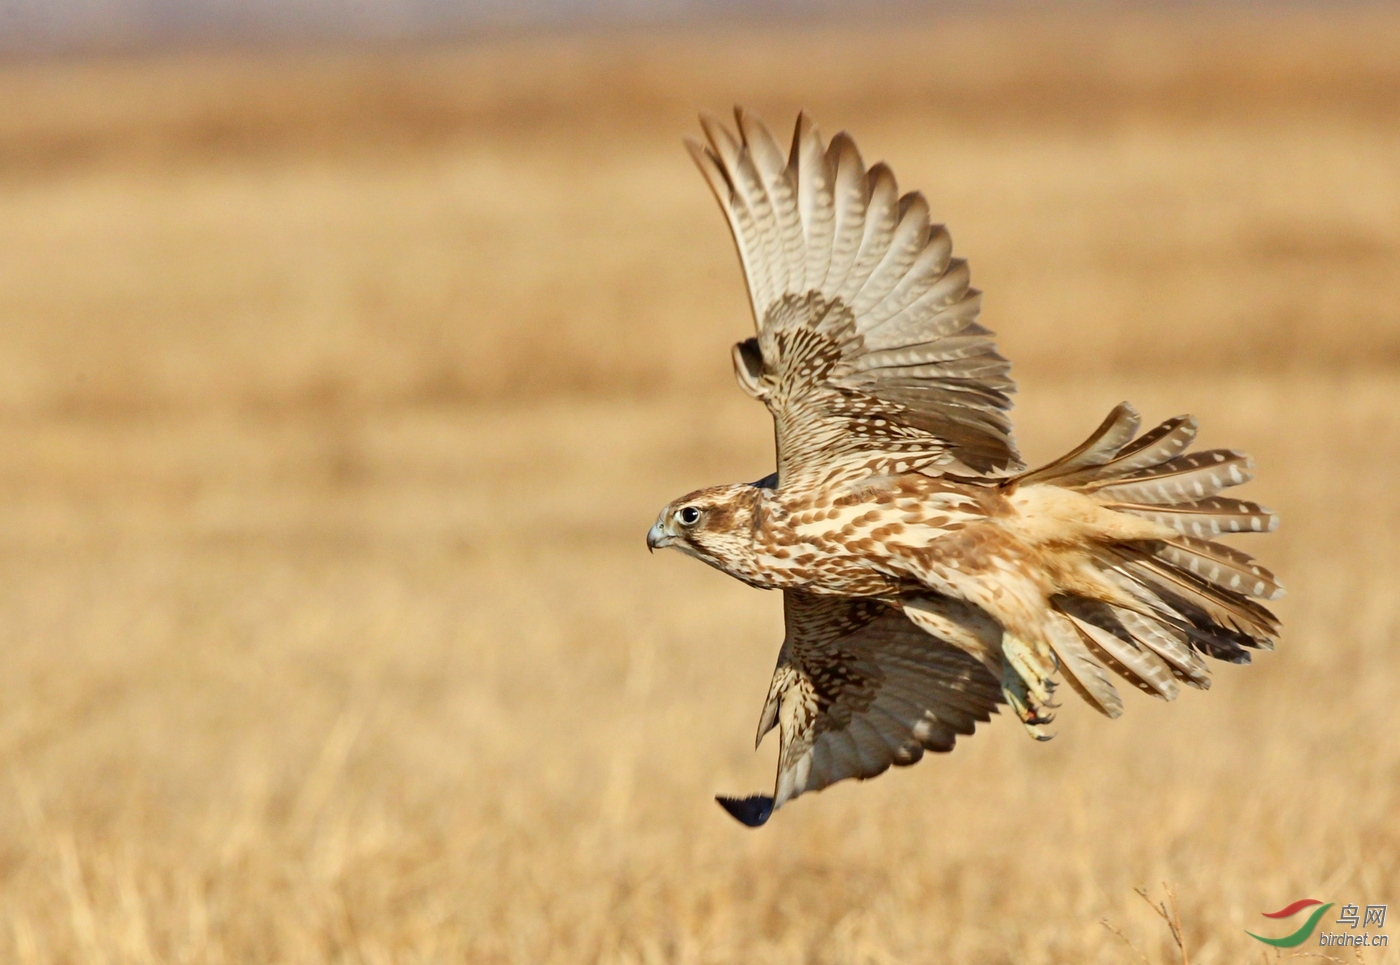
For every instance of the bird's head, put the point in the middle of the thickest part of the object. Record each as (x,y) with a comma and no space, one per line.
(714,525)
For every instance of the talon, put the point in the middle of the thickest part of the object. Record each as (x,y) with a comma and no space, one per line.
(1029,709)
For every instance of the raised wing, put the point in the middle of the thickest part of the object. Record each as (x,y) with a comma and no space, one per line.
(859,687)
(868,351)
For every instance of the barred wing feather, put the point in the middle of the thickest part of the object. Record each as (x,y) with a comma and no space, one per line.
(868,351)
(858,687)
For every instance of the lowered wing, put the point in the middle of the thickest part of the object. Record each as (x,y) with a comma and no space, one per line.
(858,687)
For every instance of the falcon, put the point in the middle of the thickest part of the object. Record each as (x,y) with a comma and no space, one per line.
(927,574)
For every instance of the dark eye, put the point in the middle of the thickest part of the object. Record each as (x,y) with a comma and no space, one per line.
(689,516)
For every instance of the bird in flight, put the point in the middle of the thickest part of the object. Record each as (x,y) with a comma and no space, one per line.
(927,575)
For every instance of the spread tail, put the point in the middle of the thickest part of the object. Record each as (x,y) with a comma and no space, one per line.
(1167,601)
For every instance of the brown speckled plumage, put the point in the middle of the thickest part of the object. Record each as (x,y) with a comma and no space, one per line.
(926,575)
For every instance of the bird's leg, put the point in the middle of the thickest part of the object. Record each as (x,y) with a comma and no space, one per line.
(1026,682)
(965,625)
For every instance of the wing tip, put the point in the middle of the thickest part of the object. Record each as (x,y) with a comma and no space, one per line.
(752,811)
(721,140)
(1124,409)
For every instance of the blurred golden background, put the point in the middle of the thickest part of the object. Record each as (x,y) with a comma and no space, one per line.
(338,389)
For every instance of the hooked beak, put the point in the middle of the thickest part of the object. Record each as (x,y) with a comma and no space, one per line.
(658,538)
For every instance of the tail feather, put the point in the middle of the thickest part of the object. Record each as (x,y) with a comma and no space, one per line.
(1186,477)
(1150,449)
(1208,517)
(1106,637)
(1156,446)
(1221,566)
(1154,622)
(1211,633)
(1165,602)
(1173,606)
(1082,671)
(1170,644)
(1184,596)
(1120,426)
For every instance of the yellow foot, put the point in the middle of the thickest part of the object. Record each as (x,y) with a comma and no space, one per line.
(1033,712)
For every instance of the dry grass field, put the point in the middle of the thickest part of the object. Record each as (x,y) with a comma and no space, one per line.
(338,390)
